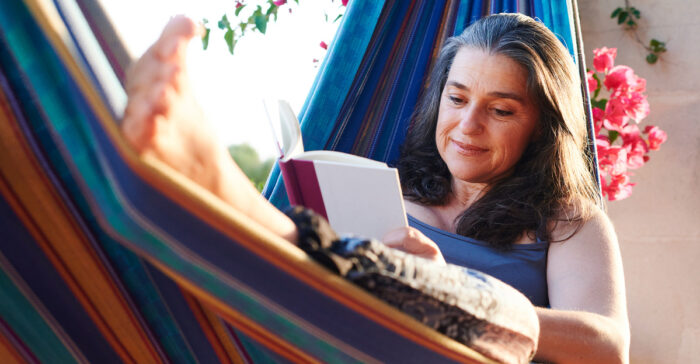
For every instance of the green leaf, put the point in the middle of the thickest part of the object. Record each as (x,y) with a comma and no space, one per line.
(657,46)
(615,13)
(622,17)
(243,26)
(261,23)
(230,40)
(599,85)
(238,9)
(205,38)
(630,22)
(612,135)
(272,11)
(637,14)
(652,58)
(224,23)
(599,103)
(337,17)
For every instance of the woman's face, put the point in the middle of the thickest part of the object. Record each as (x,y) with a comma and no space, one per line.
(486,117)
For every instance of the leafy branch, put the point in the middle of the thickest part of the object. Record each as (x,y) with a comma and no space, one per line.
(235,27)
(627,17)
(256,21)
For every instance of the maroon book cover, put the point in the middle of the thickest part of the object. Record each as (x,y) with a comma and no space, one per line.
(302,186)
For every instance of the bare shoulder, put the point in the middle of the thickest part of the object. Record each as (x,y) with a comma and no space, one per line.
(595,230)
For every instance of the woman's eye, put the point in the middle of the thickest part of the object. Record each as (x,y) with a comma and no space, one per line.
(456,100)
(501,112)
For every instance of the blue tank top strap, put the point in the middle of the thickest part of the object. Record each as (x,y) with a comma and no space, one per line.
(523,266)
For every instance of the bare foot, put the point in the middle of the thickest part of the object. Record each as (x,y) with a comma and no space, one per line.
(162,118)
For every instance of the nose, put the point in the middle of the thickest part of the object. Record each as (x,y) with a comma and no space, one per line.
(471,120)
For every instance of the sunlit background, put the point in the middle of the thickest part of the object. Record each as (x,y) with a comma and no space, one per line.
(279,64)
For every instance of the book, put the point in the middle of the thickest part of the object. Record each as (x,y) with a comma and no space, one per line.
(357,195)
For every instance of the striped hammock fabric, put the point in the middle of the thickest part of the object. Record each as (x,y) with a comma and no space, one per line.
(388,47)
(106,257)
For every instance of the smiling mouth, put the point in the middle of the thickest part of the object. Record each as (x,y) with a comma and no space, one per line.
(468,149)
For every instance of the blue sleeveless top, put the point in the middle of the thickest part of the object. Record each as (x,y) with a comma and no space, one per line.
(524,266)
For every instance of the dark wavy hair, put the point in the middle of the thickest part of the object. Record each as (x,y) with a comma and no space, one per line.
(552,181)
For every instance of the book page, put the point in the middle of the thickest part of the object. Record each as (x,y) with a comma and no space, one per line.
(340,157)
(361,201)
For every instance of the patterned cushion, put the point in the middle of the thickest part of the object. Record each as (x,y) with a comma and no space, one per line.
(466,305)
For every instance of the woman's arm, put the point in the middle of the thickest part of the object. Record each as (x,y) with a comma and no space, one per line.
(588,320)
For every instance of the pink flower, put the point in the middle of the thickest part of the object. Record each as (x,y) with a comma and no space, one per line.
(635,145)
(598,116)
(622,79)
(592,82)
(615,114)
(279,2)
(636,153)
(611,159)
(345,2)
(604,58)
(616,160)
(238,4)
(656,136)
(619,187)
(324,45)
(637,106)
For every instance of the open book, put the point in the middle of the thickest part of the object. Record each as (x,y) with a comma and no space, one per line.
(356,195)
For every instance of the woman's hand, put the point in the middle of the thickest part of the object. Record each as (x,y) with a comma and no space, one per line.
(412,241)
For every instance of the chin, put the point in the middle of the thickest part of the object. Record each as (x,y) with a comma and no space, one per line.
(469,176)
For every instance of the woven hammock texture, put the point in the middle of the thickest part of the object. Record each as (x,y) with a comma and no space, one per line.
(107,257)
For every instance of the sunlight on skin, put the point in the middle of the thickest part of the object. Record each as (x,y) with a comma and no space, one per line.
(278,64)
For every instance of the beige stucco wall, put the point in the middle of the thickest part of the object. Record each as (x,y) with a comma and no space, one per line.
(659,225)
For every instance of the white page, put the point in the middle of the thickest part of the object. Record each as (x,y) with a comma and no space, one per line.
(362,201)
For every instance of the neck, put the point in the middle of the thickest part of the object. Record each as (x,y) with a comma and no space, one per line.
(463,195)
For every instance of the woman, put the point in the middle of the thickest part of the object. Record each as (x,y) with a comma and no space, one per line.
(496,153)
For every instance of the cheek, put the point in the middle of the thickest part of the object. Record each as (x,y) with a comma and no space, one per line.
(441,129)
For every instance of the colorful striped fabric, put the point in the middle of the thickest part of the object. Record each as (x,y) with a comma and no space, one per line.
(387,48)
(106,257)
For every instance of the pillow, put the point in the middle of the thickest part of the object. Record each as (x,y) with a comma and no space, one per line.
(466,305)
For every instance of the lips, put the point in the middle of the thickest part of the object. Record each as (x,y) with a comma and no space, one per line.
(468,149)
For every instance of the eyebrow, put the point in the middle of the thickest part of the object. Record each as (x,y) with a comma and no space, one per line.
(502,95)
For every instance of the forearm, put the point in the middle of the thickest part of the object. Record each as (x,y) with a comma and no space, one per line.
(580,337)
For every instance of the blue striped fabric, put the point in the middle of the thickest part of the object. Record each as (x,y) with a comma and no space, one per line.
(370,117)
(167,254)
(73,137)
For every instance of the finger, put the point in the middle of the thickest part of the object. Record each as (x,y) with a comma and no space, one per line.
(395,235)
(394,244)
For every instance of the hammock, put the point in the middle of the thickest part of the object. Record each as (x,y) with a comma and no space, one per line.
(388,47)
(105,257)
